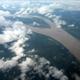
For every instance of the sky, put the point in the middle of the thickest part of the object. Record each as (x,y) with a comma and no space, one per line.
(57,3)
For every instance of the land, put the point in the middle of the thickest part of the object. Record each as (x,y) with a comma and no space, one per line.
(70,42)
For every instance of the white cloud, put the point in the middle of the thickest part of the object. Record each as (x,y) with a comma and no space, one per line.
(5,6)
(5,13)
(72,25)
(32,51)
(43,10)
(17,32)
(59,22)
(8,63)
(12,33)
(36,24)
(24,11)
(32,64)
(20,33)
(66,5)
(29,31)
(20,12)
(25,64)
(17,48)
(37,64)
(4,22)
(26,8)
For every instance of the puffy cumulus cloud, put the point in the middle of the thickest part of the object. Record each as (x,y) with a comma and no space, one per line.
(25,11)
(7,36)
(8,64)
(33,66)
(40,66)
(43,10)
(4,22)
(25,66)
(5,6)
(18,33)
(50,15)
(58,21)
(21,34)
(35,24)
(32,51)
(17,48)
(12,33)
(5,13)
(56,4)
(29,31)
(20,11)
(72,25)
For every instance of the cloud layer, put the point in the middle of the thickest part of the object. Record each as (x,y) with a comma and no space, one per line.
(18,35)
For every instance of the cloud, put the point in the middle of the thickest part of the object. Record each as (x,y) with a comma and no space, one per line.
(4,22)
(12,2)
(66,5)
(12,33)
(24,11)
(72,25)
(18,33)
(43,10)
(21,35)
(8,63)
(33,65)
(38,65)
(5,6)
(19,12)
(36,24)
(26,8)
(25,64)
(31,51)
(5,13)
(29,31)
